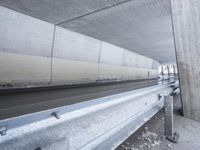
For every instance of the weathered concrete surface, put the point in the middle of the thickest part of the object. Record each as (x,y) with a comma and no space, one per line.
(25,48)
(19,69)
(37,53)
(74,46)
(110,63)
(75,58)
(142,26)
(58,11)
(117,63)
(186,22)
(24,34)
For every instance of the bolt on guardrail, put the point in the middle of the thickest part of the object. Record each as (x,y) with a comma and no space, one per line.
(3,130)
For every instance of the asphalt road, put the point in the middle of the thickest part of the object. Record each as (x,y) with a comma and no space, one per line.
(17,103)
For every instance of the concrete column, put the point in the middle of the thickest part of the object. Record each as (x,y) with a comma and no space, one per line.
(186,26)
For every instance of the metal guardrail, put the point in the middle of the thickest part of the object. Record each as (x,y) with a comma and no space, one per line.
(101,123)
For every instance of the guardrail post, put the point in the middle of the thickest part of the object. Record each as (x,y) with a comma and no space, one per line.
(168,115)
(168,126)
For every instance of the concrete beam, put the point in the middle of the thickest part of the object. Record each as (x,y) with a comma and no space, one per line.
(186,23)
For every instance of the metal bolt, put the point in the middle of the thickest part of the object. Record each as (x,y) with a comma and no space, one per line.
(56,115)
(3,130)
(38,148)
(160,96)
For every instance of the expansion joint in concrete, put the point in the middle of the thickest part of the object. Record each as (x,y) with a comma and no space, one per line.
(52,48)
(99,59)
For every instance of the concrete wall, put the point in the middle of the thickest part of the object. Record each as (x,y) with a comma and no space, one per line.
(136,66)
(25,48)
(186,23)
(110,64)
(75,57)
(36,53)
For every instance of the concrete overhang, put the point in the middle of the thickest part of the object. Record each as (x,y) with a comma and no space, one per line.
(142,26)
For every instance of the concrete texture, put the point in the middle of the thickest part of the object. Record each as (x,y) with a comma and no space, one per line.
(150,135)
(110,62)
(130,59)
(110,72)
(42,54)
(155,65)
(75,58)
(111,55)
(124,65)
(186,24)
(73,72)
(58,11)
(23,69)
(142,26)
(25,48)
(23,34)
(74,46)
(130,73)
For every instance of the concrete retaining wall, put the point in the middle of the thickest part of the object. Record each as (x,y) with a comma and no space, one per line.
(37,53)
(75,58)
(25,48)
(110,63)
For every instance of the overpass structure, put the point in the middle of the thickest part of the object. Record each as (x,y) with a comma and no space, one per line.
(75,73)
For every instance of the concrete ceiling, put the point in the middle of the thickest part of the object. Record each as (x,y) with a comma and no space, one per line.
(142,26)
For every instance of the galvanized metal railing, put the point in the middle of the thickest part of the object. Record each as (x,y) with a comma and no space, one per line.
(101,123)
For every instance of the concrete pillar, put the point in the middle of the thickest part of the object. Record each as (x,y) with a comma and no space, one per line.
(186,26)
